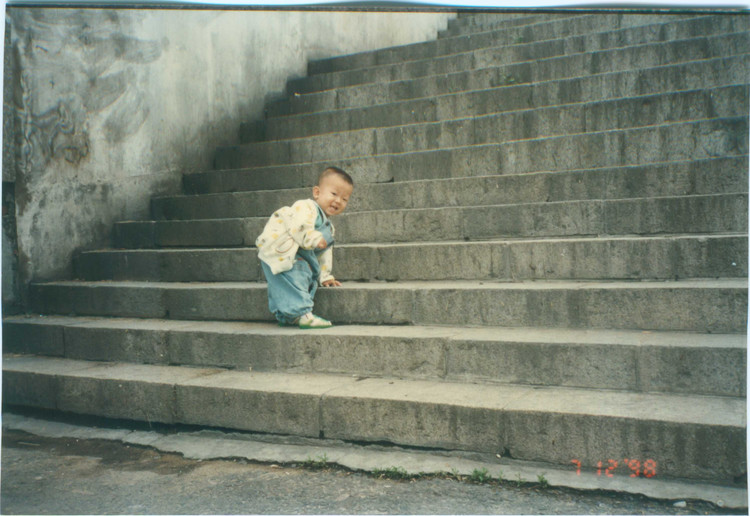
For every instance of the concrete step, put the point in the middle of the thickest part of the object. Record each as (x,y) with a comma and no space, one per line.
(515,33)
(642,81)
(596,258)
(471,23)
(375,161)
(700,437)
(401,52)
(716,306)
(675,362)
(578,118)
(306,175)
(467,77)
(481,22)
(321,141)
(491,103)
(688,178)
(526,65)
(642,216)
(322,113)
(538,41)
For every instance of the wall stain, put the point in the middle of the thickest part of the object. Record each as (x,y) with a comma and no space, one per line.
(80,70)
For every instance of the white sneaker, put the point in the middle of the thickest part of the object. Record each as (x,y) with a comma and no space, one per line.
(310,322)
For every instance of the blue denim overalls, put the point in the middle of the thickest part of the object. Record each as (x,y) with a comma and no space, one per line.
(291,293)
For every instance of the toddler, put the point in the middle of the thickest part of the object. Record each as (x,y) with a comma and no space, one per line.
(296,252)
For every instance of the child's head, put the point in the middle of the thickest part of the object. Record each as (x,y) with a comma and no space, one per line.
(333,190)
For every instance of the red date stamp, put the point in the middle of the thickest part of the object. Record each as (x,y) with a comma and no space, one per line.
(634,466)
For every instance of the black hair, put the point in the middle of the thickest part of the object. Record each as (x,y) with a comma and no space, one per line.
(337,171)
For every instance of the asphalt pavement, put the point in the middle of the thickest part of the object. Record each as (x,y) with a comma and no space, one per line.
(55,470)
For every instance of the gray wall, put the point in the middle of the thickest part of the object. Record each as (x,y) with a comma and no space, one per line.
(105,108)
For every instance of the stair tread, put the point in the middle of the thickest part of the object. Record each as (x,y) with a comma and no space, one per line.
(442,243)
(434,285)
(463,207)
(452,333)
(684,409)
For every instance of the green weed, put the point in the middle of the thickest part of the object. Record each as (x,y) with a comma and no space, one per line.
(480,476)
(320,462)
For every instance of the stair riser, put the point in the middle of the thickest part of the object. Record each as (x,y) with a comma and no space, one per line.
(177,265)
(693,178)
(700,214)
(441,120)
(721,310)
(724,257)
(710,370)
(684,450)
(516,261)
(523,67)
(641,217)
(645,81)
(639,146)
(691,451)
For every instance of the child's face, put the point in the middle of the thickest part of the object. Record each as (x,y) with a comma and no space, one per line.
(332,194)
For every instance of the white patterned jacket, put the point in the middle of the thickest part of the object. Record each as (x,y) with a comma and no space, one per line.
(288,229)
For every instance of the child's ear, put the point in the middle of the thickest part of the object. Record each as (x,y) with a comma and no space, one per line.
(316,191)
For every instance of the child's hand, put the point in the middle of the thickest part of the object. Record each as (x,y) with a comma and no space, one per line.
(331,283)
(322,244)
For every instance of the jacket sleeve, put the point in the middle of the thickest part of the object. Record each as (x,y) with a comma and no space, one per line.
(301,224)
(326,265)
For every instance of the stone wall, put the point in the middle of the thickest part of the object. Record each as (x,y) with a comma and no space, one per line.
(105,108)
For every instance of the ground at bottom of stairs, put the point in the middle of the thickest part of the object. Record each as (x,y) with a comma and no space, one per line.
(46,475)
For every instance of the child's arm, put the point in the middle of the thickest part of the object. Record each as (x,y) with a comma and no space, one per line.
(326,266)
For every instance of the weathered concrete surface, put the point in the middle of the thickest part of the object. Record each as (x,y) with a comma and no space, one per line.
(644,216)
(711,176)
(510,406)
(674,77)
(479,124)
(494,100)
(701,139)
(663,361)
(635,258)
(112,105)
(718,306)
(576,65)
(698,437)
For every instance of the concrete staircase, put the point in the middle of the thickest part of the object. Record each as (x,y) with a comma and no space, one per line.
(548,227)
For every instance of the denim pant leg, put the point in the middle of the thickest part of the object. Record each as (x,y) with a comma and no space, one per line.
(290,293)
